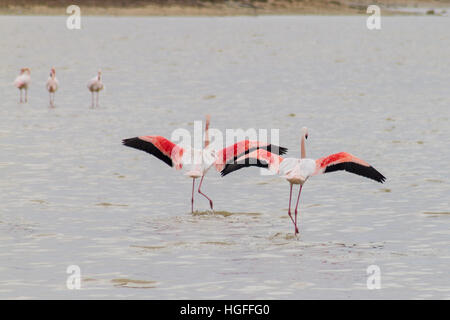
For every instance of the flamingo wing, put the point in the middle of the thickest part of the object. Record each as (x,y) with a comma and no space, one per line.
(231,153)
(256,158)
(350,163)
(160,147)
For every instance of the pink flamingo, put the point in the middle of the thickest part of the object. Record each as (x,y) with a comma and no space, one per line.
(95,85)
(197,162)
(297,171)
(22,81)
(52,85)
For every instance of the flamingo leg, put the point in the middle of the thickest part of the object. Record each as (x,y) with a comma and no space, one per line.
(26,95)
(20,90)
(199,191)
(98,93)
(289,211)
(298,198)
(92,104)
(192,200)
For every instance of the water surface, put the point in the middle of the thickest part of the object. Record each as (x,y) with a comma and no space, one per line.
(71,194)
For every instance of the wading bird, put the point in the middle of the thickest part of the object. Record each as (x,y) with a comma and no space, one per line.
(297,171)
(22,82)
(197,162)
(95,85)
(52,85)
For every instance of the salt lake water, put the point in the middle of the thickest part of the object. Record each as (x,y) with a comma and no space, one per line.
(71,194)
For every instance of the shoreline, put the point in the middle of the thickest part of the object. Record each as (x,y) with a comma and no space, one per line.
(312,7)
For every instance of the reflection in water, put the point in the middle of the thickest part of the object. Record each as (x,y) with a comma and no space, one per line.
(72,195)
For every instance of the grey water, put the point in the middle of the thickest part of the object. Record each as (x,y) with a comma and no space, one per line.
(71,194)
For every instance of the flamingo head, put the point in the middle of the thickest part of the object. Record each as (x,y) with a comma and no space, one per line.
(99,74)
(305,132)
(25,70)
(52,72)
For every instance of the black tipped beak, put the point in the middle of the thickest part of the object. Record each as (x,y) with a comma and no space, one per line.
(306,136)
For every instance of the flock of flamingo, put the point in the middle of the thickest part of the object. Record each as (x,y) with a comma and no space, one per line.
(23,80)
(247,153)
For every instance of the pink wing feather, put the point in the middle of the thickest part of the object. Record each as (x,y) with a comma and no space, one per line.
(235,151)
(257,158)
(160,147)
(350,163)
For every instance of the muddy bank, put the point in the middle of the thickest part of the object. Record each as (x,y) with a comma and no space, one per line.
(218,7)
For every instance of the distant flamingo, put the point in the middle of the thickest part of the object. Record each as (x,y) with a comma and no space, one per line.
(297,171)
(197,162)
(52,85)
(95,85)
(22,82)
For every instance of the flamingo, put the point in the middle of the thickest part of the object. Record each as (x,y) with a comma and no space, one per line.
(52,85)
(95,85)
(297,171)
(197,162)
(22,82)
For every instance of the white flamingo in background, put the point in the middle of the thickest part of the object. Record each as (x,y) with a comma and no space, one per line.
(297,171)
(22,81)
(197,162)
(95,85)
(52,85)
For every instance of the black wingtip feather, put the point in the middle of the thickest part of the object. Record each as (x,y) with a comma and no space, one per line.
(148,147)
(249,162)
(356,168)
(273,148)
(126,141)
(252,162)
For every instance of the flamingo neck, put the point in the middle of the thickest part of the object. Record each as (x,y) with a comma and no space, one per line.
(302,145)
(206,135)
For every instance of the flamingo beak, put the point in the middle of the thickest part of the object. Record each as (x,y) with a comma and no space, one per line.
(306,136)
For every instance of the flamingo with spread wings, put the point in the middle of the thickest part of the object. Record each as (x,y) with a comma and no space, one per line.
(197,162)
(297,171)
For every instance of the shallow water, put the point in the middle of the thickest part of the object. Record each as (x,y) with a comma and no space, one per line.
(71,194)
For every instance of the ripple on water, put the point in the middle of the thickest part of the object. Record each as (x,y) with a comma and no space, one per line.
(132,283)
(436,212)
(224,213)
(108,204)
